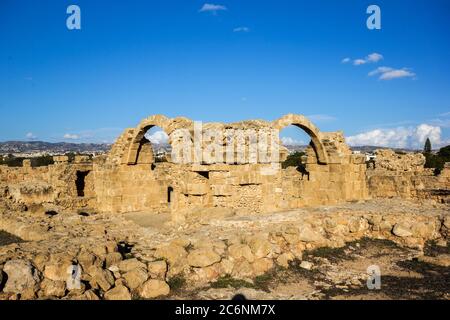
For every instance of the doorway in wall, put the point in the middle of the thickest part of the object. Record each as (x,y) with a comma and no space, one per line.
(80,182)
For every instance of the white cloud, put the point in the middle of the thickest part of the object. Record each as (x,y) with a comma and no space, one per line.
(399,137)
(387,73)
(31,136)
(288,141)
(158,137)
(395,74)
(358,62)
(241,29)
(374,57)
(345,60)
(208,7)
(379,70)
(70,136)
(371,58)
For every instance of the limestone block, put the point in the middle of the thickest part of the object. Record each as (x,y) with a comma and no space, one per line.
(61,159)
(81,159)
(197,189)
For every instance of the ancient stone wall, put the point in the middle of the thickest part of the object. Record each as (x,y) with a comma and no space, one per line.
(64,185)
(129,179)
(403,175)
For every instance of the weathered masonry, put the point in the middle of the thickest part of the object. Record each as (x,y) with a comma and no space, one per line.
(129,179)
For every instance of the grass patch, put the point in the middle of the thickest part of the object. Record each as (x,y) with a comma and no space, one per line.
(228,281)
(176,283)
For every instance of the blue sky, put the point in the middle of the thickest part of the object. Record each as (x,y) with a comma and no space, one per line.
(232,61)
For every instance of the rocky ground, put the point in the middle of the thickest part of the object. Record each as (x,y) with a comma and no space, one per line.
(310,253)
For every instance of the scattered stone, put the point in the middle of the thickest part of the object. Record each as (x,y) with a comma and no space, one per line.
(135,278)
(118,293)
(261,266)
(52,288)
(306,265)
(401,230)
(131,264)
(307,234)
(157,269)
(154,289)
(284,259)
(90,295)
(260,246)
(201,258)
(21,275)
(101,277)
(113,258)
(237,251)
(172,253)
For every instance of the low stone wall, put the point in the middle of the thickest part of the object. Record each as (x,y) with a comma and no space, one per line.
(403,175)
(53,185)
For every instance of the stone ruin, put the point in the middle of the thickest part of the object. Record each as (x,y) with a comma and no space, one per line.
(119,260)
(129,179)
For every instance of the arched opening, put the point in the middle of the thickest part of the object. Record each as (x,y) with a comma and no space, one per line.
(159,143)
(294,143)
(312,131)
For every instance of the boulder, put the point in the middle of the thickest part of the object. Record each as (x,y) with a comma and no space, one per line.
(21,275)
(307,234)
(237,251)
(52,288)
(87,259)
(120,293)
(113,258)
(172,253)
(135,278)
(131,264)
(284,259)
(261,266)
(356,225)
(90,295)
(402,230)
(242,269)
(306,265)
(101,277)
(260,246)
(157,269)
(58,271)
(201,258)
(154,289)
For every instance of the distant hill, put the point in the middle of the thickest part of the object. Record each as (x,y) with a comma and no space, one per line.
(48,147)
(364,149)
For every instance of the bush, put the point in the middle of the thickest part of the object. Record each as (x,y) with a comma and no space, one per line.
(293,160)
(437,161)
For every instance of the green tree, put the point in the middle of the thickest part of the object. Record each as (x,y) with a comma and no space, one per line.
(293,160)
(427,147)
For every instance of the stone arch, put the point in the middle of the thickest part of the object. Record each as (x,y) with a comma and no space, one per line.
(140,131)
(166,124)
(303,123)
